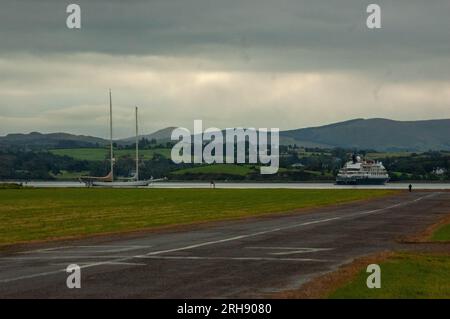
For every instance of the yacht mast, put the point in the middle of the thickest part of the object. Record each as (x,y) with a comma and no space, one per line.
(111,136)
(137,146)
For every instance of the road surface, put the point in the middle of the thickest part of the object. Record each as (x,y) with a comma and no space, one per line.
(250,258)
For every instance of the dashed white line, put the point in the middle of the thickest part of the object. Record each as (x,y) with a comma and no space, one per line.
(109,263)
(291,250)
(113,249)
(232,258)
(62,257)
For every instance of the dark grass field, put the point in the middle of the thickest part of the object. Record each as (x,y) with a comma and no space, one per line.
(40,214)
(404,275)
(408,275)
(442,233)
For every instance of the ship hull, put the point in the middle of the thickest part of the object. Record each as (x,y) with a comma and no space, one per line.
(361,181)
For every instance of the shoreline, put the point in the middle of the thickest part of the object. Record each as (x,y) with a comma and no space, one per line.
(249,185)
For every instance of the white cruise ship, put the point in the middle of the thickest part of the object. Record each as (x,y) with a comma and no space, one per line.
(361,172)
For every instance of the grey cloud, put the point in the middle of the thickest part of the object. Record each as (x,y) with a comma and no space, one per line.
(291,63)
(241,33)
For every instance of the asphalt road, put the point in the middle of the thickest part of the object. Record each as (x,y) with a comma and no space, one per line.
(248,258)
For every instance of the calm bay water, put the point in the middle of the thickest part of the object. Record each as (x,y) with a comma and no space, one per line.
(67,184)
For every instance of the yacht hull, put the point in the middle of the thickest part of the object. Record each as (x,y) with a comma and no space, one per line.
(120,184)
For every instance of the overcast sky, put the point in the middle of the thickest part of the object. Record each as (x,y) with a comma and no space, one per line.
(251,63)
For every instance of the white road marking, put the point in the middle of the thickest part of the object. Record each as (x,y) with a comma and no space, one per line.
(44,250)
(222,240)
(114,249)
(54,272)
(62,257)
(286,248)
(284,228)
(232,258)
(114,246)
(296,252)
(117,263)
(33,275)
(291,250)
(110,263)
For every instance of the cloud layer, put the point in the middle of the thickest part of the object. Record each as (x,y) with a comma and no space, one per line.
(262,63)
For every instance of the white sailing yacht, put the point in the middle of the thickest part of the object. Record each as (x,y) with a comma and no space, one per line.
(108,180)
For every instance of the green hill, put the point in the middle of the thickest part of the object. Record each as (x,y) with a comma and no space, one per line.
(378,134)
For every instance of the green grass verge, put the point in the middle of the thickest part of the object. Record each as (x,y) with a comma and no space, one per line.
(404,275)
(231,169)
(38,214)
(10,186)
(99,154)
(441,234)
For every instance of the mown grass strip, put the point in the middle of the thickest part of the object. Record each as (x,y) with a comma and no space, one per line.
(442,233)
(40,214)
(404,275)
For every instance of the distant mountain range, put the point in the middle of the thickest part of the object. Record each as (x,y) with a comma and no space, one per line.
(377,134)
(36,140)
(160,136)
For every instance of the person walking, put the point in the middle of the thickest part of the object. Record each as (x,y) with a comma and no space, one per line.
(410,188)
